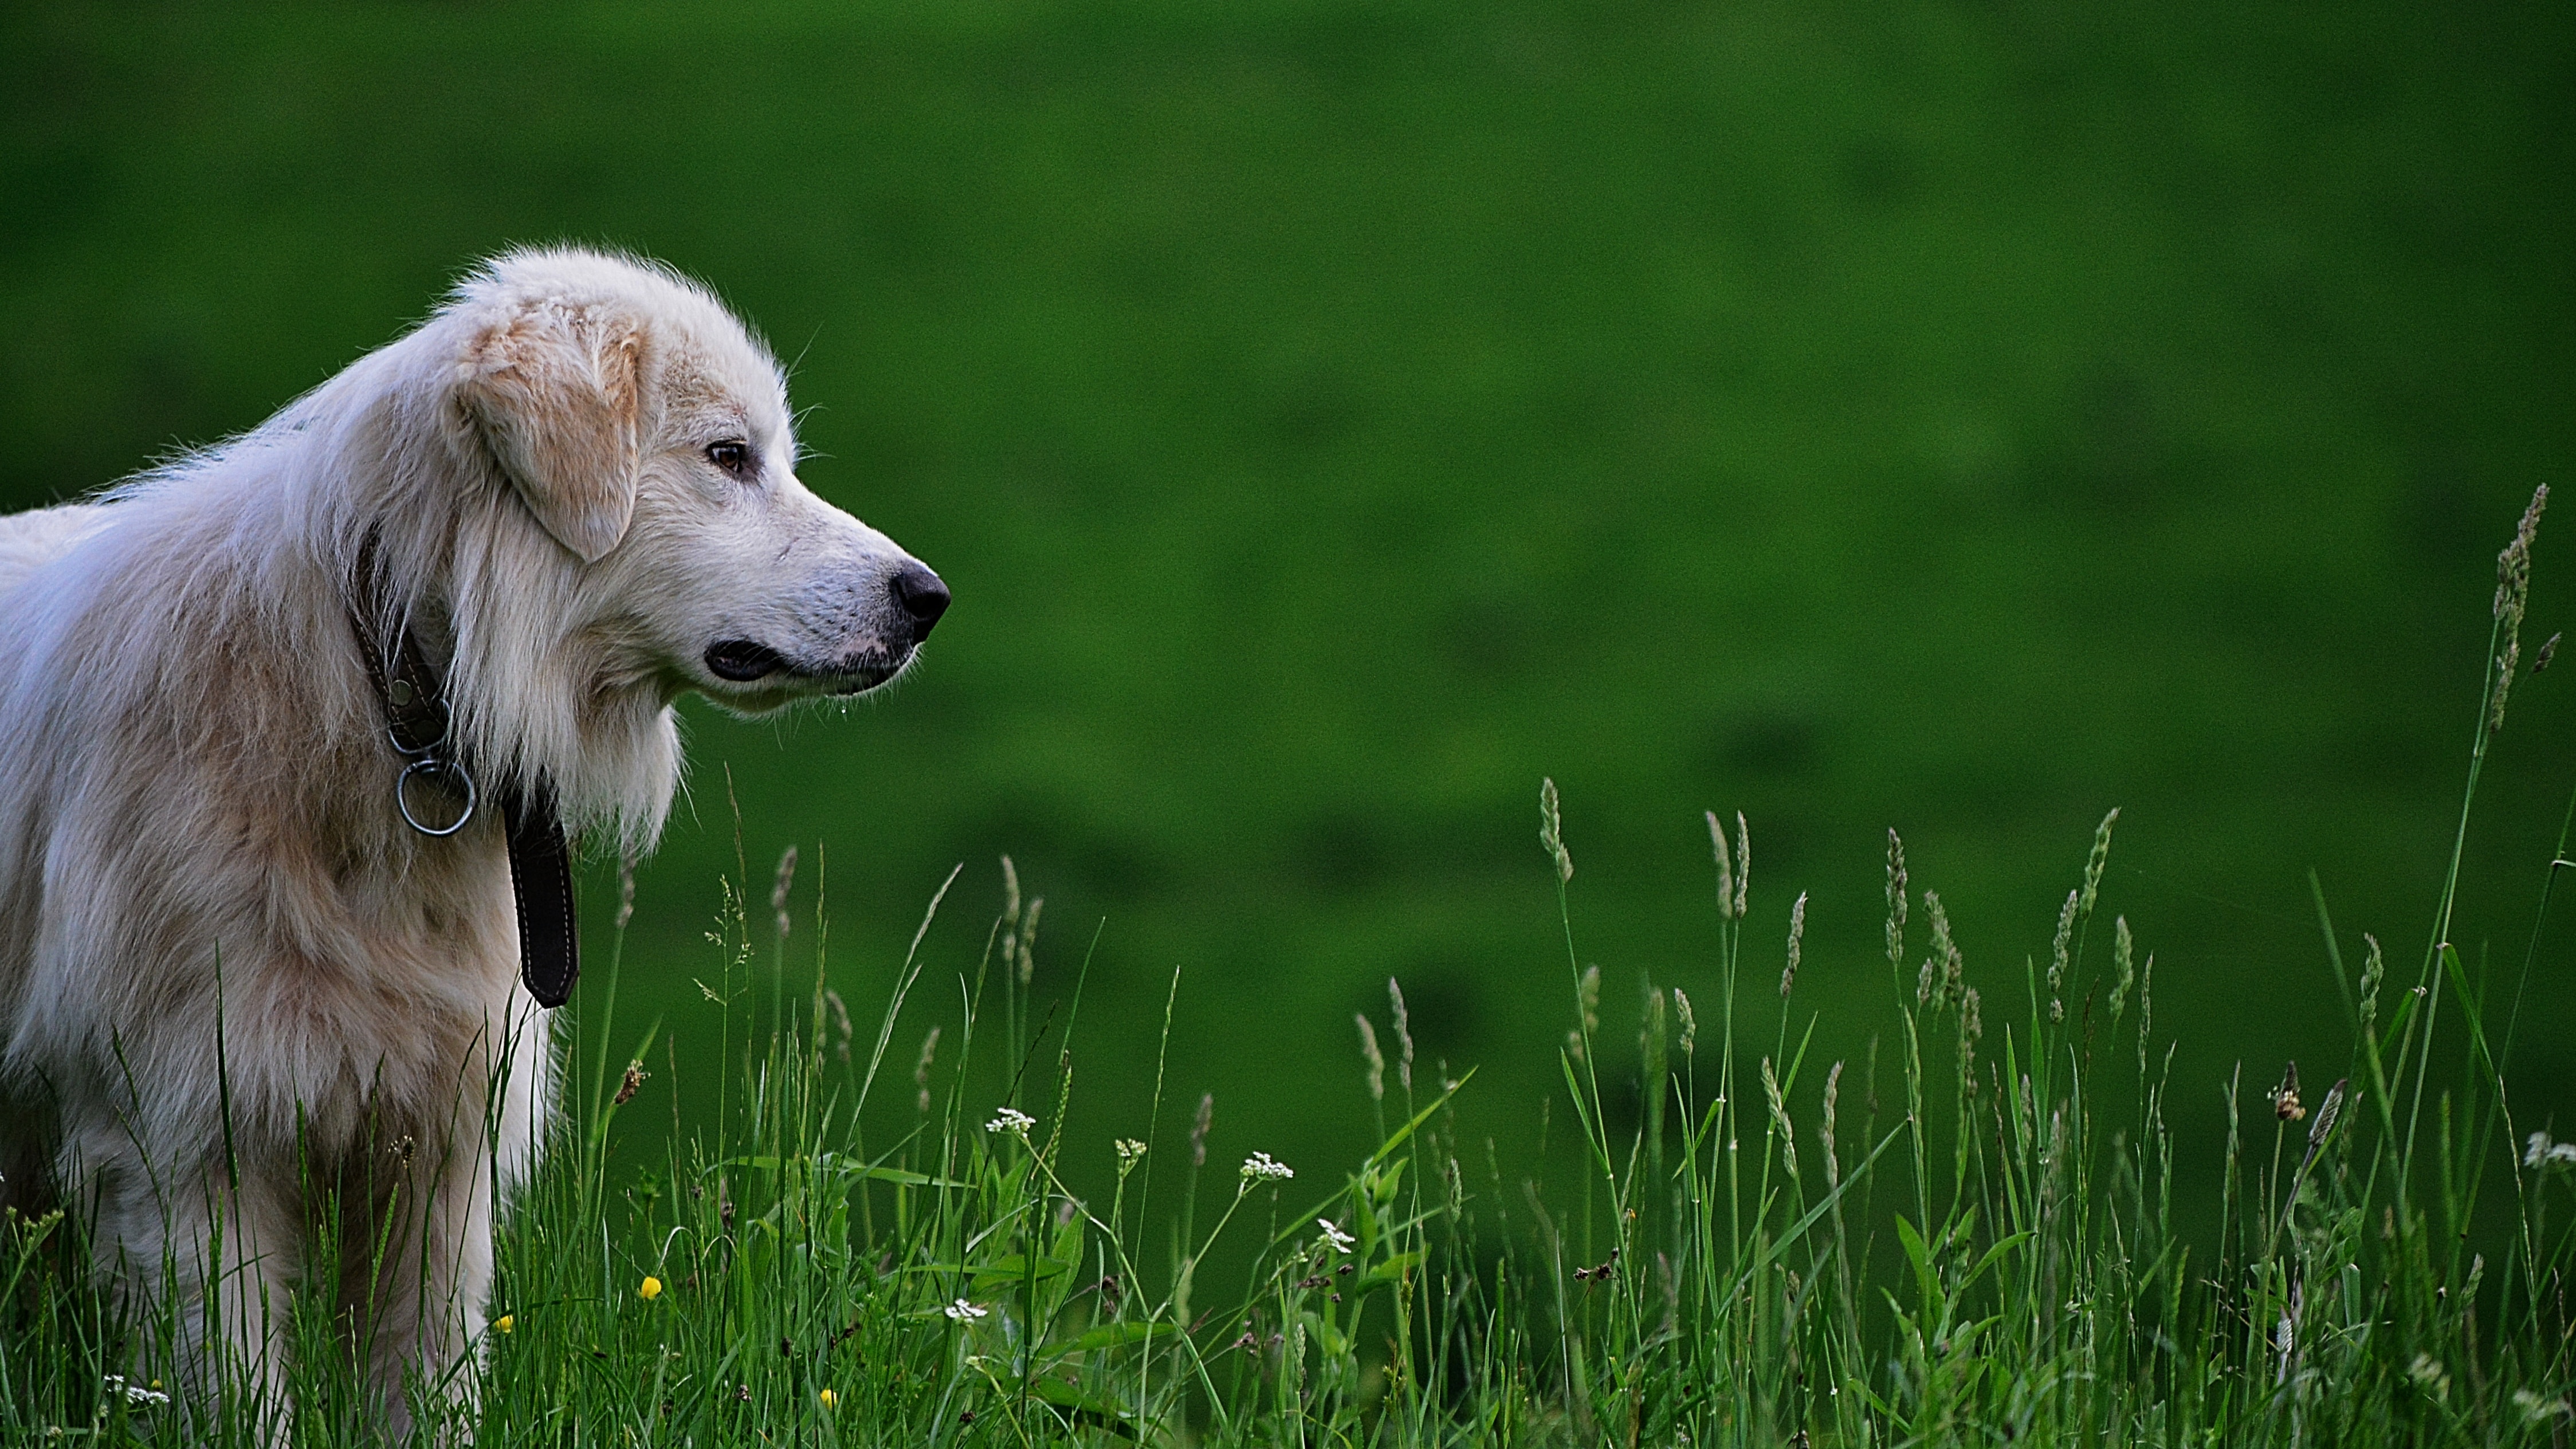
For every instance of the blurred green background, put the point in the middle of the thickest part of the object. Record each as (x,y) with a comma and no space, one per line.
(1332,417)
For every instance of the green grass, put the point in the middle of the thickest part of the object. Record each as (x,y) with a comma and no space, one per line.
(1333,415)
(1970,1236)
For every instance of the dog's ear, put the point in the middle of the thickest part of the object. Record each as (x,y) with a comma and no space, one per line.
(557,393)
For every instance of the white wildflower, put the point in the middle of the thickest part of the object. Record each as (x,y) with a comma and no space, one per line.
(1341,1242)
(2539,1410)
(1013,1121)
(962,1311)
(1259,1167)
(136,1393)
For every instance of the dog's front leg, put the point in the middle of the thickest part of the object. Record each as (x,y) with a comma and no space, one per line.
(254,1237)
(216,1252)
(421,1284)
(421,1300)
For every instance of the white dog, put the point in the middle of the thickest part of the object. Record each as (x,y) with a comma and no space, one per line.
(467,576)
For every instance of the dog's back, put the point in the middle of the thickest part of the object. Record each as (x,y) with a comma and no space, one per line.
(29,541)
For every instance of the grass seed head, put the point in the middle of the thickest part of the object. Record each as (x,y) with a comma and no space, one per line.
(2374,969)
(1743,862)
(2513,566)
(1028,947)
(779,889)
(2327,1112)
(1825,1132)
(2053,1181)
(1587,1010)
(1551,832)
(1895,900)
(2146,1008)
(2100,857)
(1650,1033)
(1725,867)
(1972,1027)
(840,1010)
(1369,1053)
(1690,1022)
(2124,965)
(2512,596)
(1403,1036)
(629,1084)
(1199,1126)
(921,1069)
(2060,949)
(625,890)
(1797,932)
(1950,985)
(1780,1119)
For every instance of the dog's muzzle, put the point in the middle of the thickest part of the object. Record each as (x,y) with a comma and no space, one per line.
(920,599)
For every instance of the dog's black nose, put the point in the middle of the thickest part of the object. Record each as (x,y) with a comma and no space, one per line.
(923,597)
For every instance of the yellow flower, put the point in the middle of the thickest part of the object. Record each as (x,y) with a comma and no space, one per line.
(506,1322)
(650,1289)
(830,1399)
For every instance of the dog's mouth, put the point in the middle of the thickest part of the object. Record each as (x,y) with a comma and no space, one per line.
(740,661)
(746,661)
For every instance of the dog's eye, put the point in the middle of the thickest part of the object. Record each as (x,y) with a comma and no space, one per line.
(732,455)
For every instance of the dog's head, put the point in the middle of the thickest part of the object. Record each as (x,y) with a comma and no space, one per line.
(647,433)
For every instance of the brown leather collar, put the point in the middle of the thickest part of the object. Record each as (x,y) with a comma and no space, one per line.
(421,729)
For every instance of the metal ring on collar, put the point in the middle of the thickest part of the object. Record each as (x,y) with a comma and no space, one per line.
(434,764)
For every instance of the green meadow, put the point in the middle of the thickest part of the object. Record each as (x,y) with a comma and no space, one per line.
(1335,418)
(1987,1242)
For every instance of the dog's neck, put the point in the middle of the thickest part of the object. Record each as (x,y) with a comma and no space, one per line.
(412,693)
(450,552)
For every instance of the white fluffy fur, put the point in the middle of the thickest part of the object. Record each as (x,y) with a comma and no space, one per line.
(196,818)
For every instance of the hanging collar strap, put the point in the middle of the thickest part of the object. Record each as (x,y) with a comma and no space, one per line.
(421,728)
